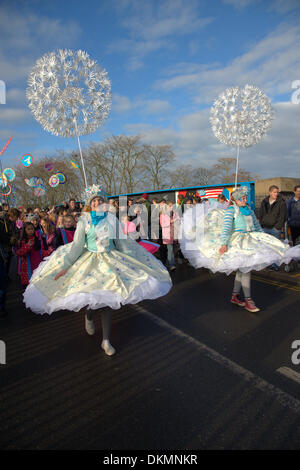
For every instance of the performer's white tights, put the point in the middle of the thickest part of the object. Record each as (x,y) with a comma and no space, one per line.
(242,280)
(106,320)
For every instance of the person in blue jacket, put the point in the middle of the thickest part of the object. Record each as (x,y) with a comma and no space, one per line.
(293,210)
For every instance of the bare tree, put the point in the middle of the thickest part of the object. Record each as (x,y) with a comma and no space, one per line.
(157,161)
(224,172)
(200,176)
(122,164)
(117,163)
(130,154)
(244,175)
(185,175)
(102,166)
(25,194)
(181,176)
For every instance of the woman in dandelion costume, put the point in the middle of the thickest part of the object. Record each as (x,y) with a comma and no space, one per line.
(102,267)
(231,239)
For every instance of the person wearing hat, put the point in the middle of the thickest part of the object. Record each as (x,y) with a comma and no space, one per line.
(145,201)
(231,240)
(101,268)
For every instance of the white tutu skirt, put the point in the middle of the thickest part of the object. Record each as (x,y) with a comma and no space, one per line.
(247,251)
(96,280)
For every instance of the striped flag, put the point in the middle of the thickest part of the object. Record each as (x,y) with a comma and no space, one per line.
(212,193)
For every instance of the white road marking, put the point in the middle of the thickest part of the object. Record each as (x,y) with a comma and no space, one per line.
(282,397)
(290,373)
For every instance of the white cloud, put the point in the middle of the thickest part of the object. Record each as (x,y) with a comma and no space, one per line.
(121,104)
(134,63)
(167,18)
(140,48)
(154,135)
(21,30)
(284,6)
(154,26)
(157,107)
(15,96)
(13,70)
(194,143)
(194,46)
(13,115)
(280,6)
(28,35)
(24,37)
(239,3)
(272,64)
(189,68)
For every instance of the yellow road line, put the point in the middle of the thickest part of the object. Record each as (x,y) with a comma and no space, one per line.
(276,283)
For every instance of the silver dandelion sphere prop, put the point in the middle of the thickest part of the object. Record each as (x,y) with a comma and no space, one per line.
(241,116)
(69,93)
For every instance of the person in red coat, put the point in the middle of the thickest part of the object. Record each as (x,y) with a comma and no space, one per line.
(30,253)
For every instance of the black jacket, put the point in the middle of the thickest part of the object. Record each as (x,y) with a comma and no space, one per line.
(293,210)
(273,215)
(59,241)
(5,235)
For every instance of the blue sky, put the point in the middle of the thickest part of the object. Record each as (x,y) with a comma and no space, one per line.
(167,60)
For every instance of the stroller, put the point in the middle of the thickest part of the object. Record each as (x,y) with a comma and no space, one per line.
(293,265)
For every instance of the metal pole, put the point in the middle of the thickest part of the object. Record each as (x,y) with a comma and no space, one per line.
(82,163)
(237,164)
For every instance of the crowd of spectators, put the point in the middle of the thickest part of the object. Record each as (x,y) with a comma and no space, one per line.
(28,235)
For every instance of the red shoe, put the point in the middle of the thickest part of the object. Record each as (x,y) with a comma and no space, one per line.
(237,301)
(250,306)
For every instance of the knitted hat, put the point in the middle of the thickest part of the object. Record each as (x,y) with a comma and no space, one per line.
(145,196)
(238,193)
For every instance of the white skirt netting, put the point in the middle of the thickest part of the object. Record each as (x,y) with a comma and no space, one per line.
(95,281)
(247,251)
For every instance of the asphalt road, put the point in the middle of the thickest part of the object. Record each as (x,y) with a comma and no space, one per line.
(192,371)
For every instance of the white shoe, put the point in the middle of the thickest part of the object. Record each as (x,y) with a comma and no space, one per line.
(108,348)
(89,326)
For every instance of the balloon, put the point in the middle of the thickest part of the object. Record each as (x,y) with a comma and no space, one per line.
(49,166)
(3,181)
(19,224)
(53,181)
(62,178)
(9,173)
(34,181)
(27,160)
(6,191)
(40,190)
(74,165)
(28,181)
